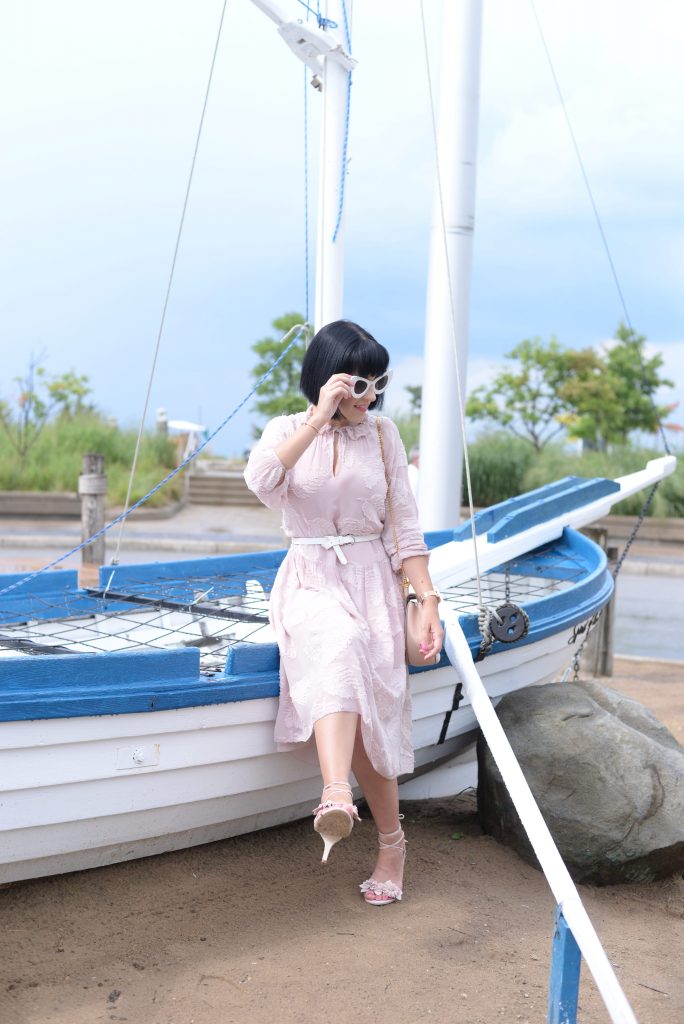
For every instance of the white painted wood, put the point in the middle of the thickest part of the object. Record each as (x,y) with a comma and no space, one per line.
(453,563)
(450,779)
(330,253)
(68,806)
(448,292)
(325,52)
(551,862)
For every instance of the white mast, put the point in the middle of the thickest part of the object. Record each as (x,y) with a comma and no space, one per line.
(326,54)
(329,253)
(441,444)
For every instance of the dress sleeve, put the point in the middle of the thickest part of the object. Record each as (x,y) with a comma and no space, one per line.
(409,533)
(265,474)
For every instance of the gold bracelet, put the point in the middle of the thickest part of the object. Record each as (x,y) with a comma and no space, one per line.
(307,424)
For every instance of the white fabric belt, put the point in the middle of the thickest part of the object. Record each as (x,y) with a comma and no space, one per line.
(336,542)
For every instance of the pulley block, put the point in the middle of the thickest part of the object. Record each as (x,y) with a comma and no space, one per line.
(509,623)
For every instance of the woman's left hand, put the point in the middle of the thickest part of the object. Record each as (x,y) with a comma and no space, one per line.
(431,632)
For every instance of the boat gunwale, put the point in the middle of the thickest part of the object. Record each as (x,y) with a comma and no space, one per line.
(59,686)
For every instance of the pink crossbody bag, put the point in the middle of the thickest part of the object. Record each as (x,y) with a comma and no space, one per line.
(414,655)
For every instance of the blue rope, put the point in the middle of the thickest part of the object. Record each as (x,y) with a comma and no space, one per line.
(343,174)
(322,22)
(169,476)
(346,26)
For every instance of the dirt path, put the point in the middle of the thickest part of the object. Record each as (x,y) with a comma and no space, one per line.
(255,930)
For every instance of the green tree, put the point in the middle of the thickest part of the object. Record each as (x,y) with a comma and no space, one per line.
(280,394)
(24,416)
(529,400)
(68,392)
(416,397)
(620,399)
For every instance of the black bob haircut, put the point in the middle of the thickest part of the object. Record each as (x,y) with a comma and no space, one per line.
(342,347)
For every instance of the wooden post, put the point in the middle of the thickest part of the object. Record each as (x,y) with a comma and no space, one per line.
(608,634)
(564,981)
(92,487)
(597,656)
(162,422)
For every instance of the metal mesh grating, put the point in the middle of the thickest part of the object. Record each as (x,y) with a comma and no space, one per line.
(213,614)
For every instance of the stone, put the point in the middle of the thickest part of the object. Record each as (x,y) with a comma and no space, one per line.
(607,775)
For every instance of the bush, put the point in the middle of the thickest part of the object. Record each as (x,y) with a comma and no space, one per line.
(408,425)
(554,463)
(498,462)
(502,466)
(671,491)
(54,462)
(498,467)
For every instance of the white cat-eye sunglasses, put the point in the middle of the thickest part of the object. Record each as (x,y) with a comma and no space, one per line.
(360,385)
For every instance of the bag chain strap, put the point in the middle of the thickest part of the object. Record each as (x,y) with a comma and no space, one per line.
(405,581)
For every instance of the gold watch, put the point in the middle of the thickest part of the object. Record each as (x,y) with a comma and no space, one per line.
(430,593)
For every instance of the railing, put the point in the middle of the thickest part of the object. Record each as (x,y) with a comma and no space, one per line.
(574,932)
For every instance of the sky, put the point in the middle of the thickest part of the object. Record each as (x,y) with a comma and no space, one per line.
(99,108)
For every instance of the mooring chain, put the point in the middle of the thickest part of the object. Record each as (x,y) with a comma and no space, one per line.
(637,527)
(589,624)
(584,627)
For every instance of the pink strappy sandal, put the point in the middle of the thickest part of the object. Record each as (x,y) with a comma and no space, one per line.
(334,820)
(379,894)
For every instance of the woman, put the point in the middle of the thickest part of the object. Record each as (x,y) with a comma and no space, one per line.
(337,603)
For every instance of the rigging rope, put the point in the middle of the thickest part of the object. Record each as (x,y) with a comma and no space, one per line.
(597,217)
(343,171)
(466,459)
(299,328)
(651,494)
(322,22)
(459,389)
(168,286)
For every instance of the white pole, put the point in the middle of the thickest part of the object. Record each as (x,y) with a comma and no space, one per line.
(441,444)
(329,254)
(545,849)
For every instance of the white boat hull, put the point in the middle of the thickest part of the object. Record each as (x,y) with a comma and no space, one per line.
(83,792)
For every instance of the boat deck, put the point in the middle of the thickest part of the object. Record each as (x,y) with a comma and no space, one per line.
(212,606)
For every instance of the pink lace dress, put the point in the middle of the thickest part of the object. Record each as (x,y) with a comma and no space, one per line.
(340,627)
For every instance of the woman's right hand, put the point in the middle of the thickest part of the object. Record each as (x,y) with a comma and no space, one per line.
(330,396)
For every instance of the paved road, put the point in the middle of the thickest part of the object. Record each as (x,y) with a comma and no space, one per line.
(648,616)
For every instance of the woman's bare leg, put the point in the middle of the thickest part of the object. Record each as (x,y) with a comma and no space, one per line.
(335,735)
(382,796)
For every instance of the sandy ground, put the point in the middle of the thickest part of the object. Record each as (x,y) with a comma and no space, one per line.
(256,930)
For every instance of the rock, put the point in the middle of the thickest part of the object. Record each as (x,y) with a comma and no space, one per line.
(608,778)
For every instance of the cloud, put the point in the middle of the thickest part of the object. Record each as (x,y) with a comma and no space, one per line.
(98,146)
(409,371)
(616,65)
(673,369)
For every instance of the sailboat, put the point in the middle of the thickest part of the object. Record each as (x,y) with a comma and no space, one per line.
(136,716)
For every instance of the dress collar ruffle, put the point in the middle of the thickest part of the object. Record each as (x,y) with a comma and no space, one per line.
(354,430)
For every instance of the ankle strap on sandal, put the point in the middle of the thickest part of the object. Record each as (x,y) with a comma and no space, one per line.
(400,838)
(332,805)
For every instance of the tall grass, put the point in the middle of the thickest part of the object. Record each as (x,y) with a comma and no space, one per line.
(502,466)
(553,463)
(499,465)
(408,425)
(54,462)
